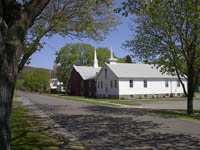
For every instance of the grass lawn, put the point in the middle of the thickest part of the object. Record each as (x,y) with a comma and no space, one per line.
(16,95)
(98,101)
(135,102)
(178,114)
(28,132)
(81,99)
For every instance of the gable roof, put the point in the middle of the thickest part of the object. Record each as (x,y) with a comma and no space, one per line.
(87,72)
(127,70)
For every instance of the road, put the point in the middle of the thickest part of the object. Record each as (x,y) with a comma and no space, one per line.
(109,128)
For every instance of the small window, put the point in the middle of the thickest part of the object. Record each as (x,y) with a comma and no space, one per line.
(101,84)
(130,83)
(178,84)
(98,85)
(145,83)
(131,96)
(166,84)
(111,84)
(145,96)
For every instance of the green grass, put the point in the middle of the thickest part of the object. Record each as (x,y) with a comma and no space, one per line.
(28,132)
(178,114)
(97,101)
(16,103)
(125,102)
(16,95)
(81,100)
(135,102)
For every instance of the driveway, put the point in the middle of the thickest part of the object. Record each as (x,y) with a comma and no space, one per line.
(109,128)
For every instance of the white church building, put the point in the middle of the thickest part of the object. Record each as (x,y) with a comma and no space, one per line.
(131,81)
(123,80)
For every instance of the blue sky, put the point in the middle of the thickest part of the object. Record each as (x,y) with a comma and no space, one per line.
(45,58)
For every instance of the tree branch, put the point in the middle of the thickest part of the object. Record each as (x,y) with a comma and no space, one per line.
(34,8)
(32,49)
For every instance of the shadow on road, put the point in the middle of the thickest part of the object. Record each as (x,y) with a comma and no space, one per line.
(101,131)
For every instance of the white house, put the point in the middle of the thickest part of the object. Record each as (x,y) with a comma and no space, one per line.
(124,80)
(56,86)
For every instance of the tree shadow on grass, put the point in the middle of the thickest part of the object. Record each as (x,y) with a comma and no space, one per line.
(30,133)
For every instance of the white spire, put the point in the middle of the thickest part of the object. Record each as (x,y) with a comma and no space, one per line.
(95,60)
(112,60)
(111,53)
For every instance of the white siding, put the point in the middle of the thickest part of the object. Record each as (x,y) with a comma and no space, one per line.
(154,86)
(107,83)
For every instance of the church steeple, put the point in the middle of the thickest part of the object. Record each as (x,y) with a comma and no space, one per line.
(95,60)
(111,60)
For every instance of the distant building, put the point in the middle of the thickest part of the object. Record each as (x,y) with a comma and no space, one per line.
(56,86)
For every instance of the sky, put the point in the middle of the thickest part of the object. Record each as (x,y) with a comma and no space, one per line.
(46,57)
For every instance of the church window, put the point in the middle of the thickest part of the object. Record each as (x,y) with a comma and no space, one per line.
(115,83)
(178,84)
(111,84)
(145,83)
(166,84)
(130,83)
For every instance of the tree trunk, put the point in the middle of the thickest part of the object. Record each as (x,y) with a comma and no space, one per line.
(190,97)
(7,82)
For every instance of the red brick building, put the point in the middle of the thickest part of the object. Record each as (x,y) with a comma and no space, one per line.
(82,80)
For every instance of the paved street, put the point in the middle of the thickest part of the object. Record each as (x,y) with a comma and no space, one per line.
(108,128)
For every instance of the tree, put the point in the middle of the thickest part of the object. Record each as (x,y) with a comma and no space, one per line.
(19,85)
(103,53)
(22,26)
(37,81)
(168,35)
(77,54)
(128,59)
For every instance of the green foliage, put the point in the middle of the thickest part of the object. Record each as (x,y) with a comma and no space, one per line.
(37,81)
(77,54)
(168,35)
(19,85)
(128,59)
(103,54)
(121,60)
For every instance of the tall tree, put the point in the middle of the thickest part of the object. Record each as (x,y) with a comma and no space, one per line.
(128,59)
(22,26)
(77,54)
(168,35)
